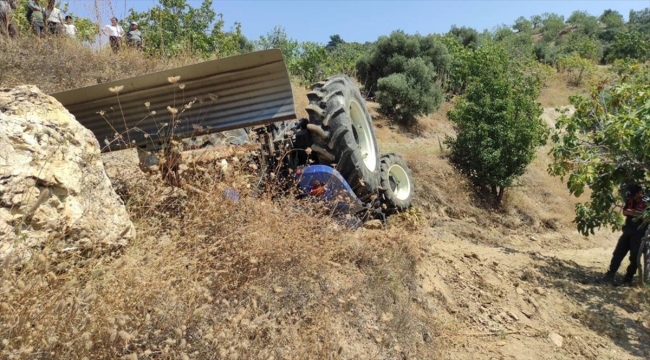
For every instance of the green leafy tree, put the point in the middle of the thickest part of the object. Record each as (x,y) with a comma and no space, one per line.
(639,21)
(394,54)
(629,45)
(552,25)
(277,38)
(584,23)
(587,47)
(612,19)
(498,121)
(536,21)
(604,144)
(523,25)
(335,40)
(613,22)
(410,93)
(466,36)
(174,26)
(311,62)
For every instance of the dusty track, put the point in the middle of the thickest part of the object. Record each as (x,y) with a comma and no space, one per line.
(520,284)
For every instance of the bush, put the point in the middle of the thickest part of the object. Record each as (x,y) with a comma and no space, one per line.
(577,68)
(498,121)
(629,45)
(389,54)
(409,94)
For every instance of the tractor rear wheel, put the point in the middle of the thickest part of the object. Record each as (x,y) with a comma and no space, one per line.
(343,135)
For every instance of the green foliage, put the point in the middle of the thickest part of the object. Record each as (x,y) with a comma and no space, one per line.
(405,54)
(640,22)
(174,26)
(612,19)
(584,23)
(587,47)
(523,25)
(335,41)
(410,93)
(278,39)
(578,68)
(552,25)
(604,144)
(498,122)
(465,36)
(629,45)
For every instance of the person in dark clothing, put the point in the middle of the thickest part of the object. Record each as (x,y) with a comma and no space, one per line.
(630,241)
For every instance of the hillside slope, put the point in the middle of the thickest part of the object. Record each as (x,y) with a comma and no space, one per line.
(520,283)
(267,278)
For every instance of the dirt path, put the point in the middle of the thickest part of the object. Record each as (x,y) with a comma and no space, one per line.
(503,302)
(520,285)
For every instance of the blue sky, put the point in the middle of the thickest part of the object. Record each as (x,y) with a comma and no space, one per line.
(366,20)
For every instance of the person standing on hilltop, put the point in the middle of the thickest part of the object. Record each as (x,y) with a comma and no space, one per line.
(630,241)
(54,18)
(37,19)
(115,33)
(134,36)
(69,28)
(7,8)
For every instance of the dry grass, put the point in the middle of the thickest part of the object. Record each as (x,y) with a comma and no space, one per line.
(211,277)
(58,64)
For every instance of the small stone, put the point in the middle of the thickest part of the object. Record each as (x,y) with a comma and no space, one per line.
(277,289)
(520,291)
(386,317)
(513,316)
(532,238)
(373,225)
(539,291)
(556,339)
(529,314)
(426,336)
(472,255)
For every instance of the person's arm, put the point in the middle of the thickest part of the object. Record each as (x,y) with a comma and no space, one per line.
(630,210)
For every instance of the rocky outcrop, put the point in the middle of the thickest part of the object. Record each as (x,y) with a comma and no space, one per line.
(54,190)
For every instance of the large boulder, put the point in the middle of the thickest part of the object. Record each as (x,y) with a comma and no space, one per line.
(54,190)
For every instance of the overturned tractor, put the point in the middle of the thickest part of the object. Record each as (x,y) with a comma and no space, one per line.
(247,101)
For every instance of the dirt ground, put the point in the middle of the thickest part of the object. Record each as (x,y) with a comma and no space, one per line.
(520,284)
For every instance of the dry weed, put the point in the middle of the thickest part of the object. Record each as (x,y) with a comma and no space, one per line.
(58,64)
(212,276)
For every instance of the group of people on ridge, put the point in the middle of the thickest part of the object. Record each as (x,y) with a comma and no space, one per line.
(48,20)
(42,19)
(115,35)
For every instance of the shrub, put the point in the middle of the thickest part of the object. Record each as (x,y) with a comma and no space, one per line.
(577,68)
(391,54)
(498,122)
(409,94)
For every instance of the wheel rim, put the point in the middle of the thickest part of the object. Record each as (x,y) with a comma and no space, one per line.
(363,130)
(400,184)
